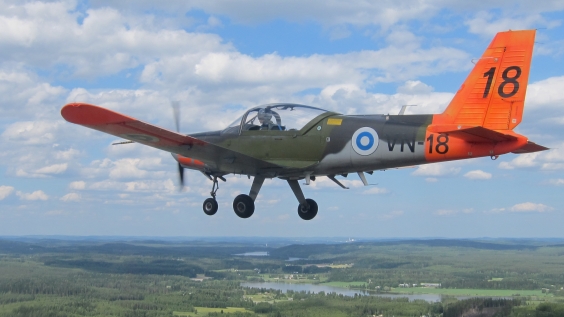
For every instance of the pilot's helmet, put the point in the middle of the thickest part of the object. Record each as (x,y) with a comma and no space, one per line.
(264,115)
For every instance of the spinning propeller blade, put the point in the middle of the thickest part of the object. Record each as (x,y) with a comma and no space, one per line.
(176,114)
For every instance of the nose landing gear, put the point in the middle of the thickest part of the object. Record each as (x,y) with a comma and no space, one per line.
(210,205)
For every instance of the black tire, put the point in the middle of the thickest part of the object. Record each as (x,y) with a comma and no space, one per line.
(210,206)
(309,210)
(244,206)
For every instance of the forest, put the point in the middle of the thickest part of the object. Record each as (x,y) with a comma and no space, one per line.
(142,277)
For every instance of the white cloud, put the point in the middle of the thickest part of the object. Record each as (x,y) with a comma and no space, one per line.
(138,186)
(71,197)
(556,182)
(106,42)
(31,132)
(445,212)
(436,170)
(393,214)
(376,191)
(489,24)
(530,207)
(521,161)
(478,174)
(5,191)
(53,169)
(415,87)
(36,195)
(383,14)
(78,185)
(545,94)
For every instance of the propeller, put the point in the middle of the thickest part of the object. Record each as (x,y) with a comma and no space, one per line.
(176,114)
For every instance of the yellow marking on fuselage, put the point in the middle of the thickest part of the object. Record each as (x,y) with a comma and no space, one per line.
(333,121)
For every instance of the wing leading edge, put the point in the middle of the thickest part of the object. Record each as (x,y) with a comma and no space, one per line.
(215,157)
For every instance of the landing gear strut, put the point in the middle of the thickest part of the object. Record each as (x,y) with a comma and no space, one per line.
(244,205)
(210,205)
(307,209)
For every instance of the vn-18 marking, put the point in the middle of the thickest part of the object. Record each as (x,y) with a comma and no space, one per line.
(392,140)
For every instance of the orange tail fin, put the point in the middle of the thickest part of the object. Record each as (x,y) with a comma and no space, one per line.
(493,95)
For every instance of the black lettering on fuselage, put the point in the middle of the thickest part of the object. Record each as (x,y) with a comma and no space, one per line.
(392,140)
(392,144)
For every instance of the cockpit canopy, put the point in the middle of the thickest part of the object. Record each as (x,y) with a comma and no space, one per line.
(274,117)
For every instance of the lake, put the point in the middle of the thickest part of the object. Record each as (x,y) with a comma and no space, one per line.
(284,287)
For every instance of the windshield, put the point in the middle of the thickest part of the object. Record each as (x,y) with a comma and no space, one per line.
(281,117)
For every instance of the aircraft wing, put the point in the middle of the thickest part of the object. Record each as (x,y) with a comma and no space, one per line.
(217,158)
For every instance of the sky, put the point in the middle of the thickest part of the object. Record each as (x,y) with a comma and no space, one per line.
(219,58)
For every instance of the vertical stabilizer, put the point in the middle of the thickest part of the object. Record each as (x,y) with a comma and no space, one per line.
(493,95)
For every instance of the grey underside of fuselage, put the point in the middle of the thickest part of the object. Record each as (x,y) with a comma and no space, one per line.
(401,143)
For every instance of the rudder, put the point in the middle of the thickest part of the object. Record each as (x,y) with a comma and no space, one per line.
(493,94)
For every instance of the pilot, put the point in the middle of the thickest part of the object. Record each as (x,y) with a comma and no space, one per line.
(265,119)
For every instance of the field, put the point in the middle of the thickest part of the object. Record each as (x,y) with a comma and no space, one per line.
(202,311)
(62,278)
(472,292)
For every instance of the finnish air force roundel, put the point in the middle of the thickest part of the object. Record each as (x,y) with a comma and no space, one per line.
(365,141)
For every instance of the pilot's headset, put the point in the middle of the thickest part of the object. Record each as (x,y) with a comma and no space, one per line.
(264,116)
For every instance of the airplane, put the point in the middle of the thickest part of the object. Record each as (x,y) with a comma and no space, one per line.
(296,142)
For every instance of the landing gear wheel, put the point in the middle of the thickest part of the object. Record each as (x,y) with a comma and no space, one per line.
(308,210)
(210,206)
(244,206)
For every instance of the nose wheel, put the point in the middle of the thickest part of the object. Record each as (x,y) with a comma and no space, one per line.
(210,205)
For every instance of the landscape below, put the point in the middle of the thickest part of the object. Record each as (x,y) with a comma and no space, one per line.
(46,276)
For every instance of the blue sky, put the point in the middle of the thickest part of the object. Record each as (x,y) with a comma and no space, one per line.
(219,58)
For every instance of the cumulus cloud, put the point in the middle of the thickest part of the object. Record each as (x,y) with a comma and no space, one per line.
(414,87)
(36,195)
(526,207)
(478,175)
(31,132)
(71,197)
(376,191)
(5,191)
(488,24)
(530,207)
(53,169)
(436,170)
(77,185)
(521,161)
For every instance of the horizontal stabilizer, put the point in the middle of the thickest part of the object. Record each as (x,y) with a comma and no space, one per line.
(473,134)
(530,148)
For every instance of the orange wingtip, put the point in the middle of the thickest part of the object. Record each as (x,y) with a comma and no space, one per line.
(86,114)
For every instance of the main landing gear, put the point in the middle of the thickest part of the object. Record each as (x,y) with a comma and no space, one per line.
(307,209)
(244,205)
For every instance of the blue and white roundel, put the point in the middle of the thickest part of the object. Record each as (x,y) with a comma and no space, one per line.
(365,141)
